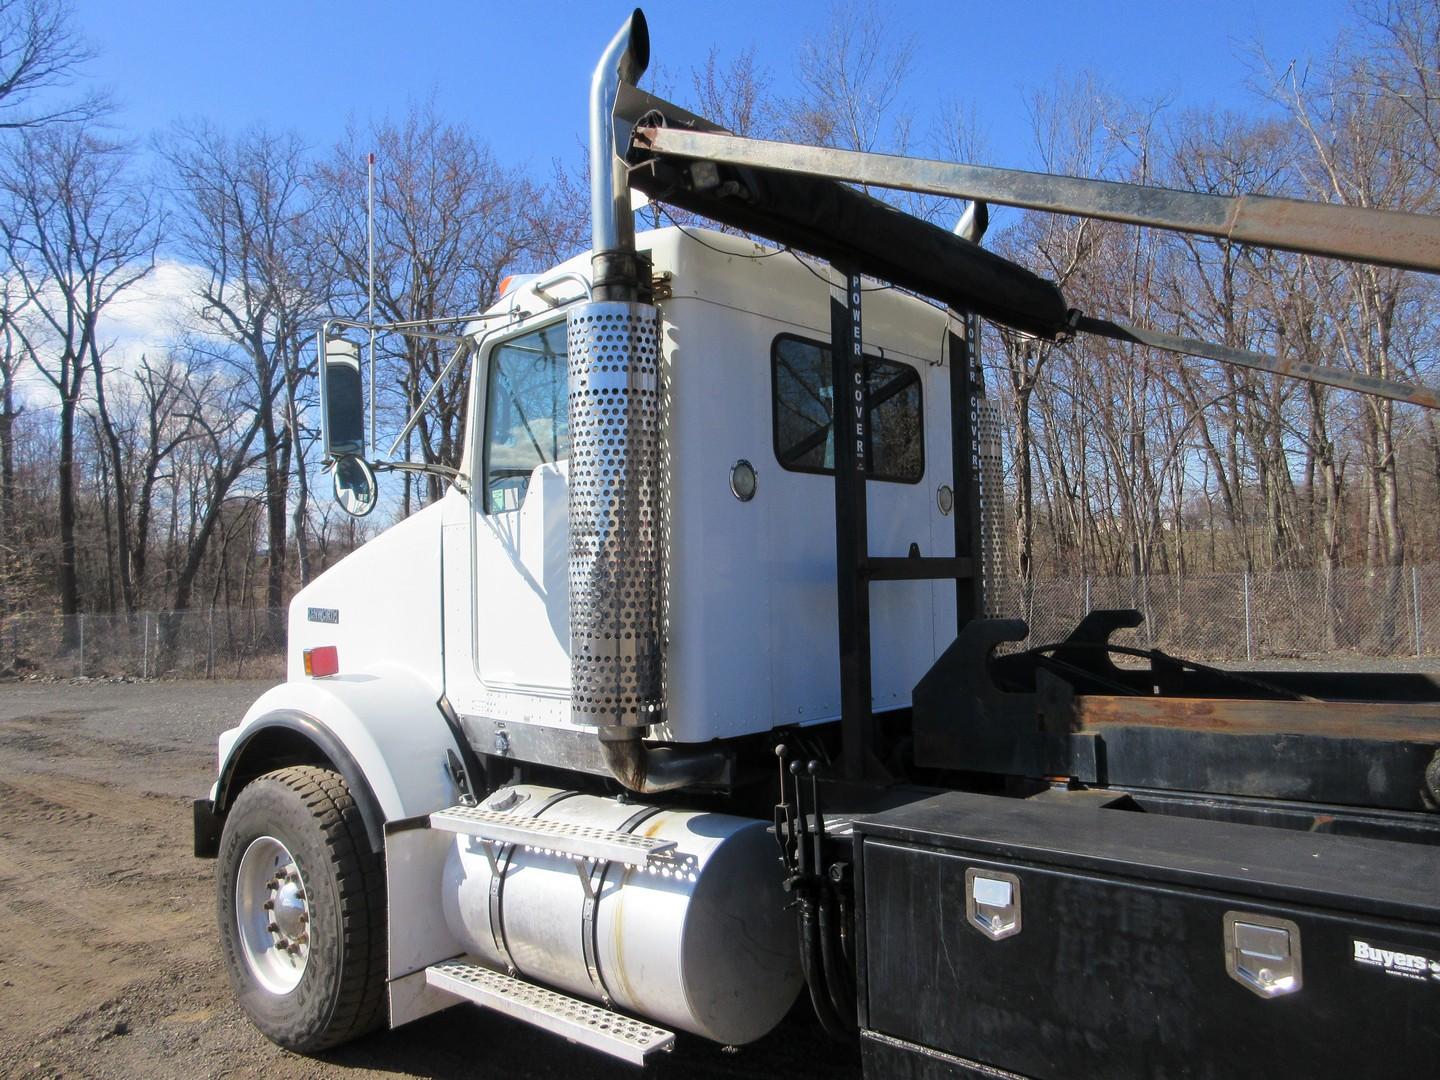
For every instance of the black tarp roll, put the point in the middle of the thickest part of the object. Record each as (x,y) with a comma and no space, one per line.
(835,222)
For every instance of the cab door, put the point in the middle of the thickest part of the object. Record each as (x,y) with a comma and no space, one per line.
(519,523)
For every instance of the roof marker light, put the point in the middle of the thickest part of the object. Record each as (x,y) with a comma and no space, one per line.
(513,282)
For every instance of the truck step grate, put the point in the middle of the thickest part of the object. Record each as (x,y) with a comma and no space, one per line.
(579,1021)
(560,837)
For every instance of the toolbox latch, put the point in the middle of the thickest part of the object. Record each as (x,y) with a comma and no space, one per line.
(992,902)
(1262,953)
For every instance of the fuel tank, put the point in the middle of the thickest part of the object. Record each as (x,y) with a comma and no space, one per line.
(705,946)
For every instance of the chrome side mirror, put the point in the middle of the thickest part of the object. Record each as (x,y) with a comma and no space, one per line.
(342,397)
(356,489)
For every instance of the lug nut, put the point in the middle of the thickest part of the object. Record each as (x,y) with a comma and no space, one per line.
(274,928)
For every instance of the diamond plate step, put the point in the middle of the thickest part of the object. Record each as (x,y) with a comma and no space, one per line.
(579,1021)
(561,837)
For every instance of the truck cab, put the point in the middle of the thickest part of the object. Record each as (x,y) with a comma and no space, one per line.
(747,460)
(696,691)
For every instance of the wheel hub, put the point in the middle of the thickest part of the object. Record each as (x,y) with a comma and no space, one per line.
(272,914)
(290,911)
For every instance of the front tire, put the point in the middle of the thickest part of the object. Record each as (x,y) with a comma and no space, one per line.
(301,906)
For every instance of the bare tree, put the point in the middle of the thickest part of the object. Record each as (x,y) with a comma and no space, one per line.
(39,56)
(78,232)
(13,302)
(736,95)
(139,434)
(850,78)
(1368,120)
(221,414)
(243,220)
(1403,65)
(1069,132)
(451,223)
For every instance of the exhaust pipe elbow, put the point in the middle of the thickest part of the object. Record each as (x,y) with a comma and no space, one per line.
(973,222)
(614,268)
(649,770)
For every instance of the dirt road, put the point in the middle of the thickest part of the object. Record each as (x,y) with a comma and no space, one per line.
(108,963)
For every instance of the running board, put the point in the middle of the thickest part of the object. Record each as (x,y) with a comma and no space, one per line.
(579,1021)
(558,837)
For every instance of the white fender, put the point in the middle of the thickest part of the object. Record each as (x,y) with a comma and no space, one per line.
(381,608)
(387,720)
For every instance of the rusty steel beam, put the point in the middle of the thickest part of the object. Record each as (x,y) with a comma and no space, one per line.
(1414,722)
(1293,369)
(1360,234)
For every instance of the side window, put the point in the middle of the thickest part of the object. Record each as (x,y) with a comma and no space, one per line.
(804,404)
(527,417)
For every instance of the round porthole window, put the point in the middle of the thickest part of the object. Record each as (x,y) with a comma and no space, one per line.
(742,480)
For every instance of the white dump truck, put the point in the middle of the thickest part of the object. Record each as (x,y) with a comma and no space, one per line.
(685,699)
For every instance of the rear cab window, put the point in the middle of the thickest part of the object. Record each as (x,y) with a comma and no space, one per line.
(803,410)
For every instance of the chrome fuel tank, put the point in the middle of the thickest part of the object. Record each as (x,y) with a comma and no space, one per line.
(707,947)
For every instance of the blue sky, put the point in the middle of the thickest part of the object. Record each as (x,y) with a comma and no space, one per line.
(519,72)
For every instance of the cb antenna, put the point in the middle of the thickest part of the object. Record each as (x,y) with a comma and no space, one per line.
(370,285)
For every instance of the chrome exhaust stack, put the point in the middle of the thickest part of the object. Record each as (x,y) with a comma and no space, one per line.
(617,663)
(614,268)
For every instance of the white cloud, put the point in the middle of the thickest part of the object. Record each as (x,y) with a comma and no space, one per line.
(142,320)
(151,313)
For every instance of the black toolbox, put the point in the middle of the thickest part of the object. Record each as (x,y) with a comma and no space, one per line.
(1002,937)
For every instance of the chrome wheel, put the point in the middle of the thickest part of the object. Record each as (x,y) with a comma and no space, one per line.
(272,914)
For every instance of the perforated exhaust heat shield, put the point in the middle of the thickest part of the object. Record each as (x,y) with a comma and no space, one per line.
(1000,600)
(616,656)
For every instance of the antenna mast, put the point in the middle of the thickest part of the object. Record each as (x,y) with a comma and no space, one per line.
(370,319)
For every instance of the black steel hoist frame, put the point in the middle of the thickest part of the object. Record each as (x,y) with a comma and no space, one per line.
(855,567)
(803,198)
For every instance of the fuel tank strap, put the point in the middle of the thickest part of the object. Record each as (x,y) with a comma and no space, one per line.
(499,865)
(594,880)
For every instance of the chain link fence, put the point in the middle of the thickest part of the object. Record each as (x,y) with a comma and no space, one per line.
(221,643)
(1383,612)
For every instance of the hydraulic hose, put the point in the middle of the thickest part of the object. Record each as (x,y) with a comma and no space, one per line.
(812,965)
(839,983)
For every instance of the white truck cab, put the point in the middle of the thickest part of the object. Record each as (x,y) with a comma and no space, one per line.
(746,457)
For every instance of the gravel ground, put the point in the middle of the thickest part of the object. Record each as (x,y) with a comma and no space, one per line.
(108,961)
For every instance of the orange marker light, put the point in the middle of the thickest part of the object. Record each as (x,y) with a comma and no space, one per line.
(322,661)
